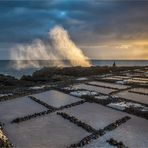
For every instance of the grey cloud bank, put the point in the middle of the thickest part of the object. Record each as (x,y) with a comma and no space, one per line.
(89,22)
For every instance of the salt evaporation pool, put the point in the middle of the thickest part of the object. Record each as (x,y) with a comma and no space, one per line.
(140,79)
(140,90)
(95,115)
(17,108)
(116,78)
(133,96)
(109,84)
(56,98)
(94,88)
(133,134)
(136,81)
(122,77)
(47,131)
(111,78)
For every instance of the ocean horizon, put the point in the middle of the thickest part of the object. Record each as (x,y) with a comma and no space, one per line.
(7,68)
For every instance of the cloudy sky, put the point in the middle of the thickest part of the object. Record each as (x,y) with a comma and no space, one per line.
(103,29)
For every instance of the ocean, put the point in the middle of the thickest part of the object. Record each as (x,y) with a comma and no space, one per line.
(7,68)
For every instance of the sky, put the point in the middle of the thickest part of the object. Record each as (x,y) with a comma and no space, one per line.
(103,29)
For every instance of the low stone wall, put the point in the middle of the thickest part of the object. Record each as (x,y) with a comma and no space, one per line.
(95,135)
(28,117)
(76,121)
(118,144)
(71,105)
(42,103)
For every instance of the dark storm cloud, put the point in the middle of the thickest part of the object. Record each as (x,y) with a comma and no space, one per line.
(88,21)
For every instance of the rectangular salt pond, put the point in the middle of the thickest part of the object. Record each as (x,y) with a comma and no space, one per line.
(133,133)
(50,131)
(136,81)
(112,78)
(141,79)
(122,77)
(109,84)
(56,98)
(133,96)
(141,90)
(95,115)
(18,107)
(117,78)
(94,88)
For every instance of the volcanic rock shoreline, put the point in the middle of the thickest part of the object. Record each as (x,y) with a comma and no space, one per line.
(56,74)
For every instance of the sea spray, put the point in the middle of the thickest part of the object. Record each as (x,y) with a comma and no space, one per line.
(67,48)
(29,56)
(62,47)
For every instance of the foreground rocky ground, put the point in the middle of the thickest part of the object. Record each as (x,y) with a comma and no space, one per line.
(75,107)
